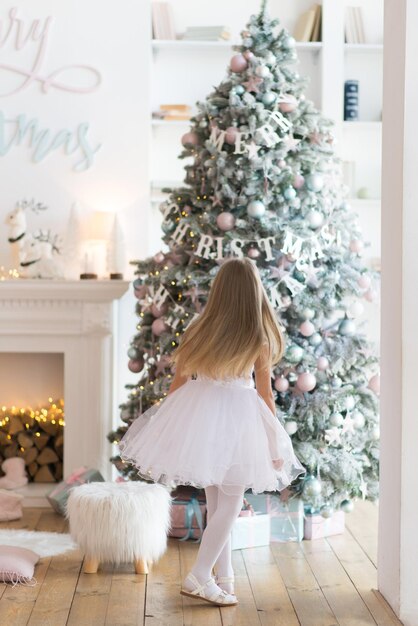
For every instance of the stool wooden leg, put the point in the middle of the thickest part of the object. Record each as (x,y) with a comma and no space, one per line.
(141,566)
(91,565)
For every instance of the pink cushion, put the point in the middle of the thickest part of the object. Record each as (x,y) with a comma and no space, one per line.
(17,565)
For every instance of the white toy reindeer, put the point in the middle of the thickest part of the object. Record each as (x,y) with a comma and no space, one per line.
(32,252)
(36,256)
(16,220)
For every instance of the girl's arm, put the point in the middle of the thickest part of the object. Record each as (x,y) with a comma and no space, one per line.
(178,380)
(262,369)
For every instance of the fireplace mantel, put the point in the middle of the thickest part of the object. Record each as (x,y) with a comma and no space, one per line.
(79,320)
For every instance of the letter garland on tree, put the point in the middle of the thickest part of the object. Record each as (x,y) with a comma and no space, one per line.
(262,181)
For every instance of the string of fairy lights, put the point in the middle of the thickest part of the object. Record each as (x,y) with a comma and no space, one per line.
(52,413)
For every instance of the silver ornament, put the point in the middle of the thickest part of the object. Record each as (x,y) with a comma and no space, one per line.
(326,510)
(269,98)
(239,89)
(311,486)
(289,193)
(256,209)
(294,354)
(314,182)
(347,327)
(308,314)
(315,339)
(347,506)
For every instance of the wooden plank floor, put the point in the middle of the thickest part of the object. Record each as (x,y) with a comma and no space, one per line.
(326,582)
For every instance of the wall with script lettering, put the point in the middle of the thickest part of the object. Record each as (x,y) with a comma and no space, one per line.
(74,112)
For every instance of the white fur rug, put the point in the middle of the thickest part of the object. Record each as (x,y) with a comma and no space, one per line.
(44,544)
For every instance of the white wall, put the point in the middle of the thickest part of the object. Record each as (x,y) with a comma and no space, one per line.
(113,40)
(398,503)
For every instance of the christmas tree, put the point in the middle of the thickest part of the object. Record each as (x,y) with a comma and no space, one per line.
(262,181)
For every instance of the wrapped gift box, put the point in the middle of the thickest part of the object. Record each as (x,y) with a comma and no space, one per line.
(188,519)
(316,526)
(251,531)
(58,497)
(286,517)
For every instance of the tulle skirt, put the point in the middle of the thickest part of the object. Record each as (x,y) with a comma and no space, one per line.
(212,432)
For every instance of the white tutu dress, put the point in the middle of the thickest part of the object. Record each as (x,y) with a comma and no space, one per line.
(212,432)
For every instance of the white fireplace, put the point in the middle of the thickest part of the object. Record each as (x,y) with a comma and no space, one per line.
(79,320)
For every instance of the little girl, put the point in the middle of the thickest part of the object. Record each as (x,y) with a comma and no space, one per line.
(214,430)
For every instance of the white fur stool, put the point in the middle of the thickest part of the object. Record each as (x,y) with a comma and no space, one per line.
(119,522)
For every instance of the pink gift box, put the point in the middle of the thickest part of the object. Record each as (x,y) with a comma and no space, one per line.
(184,521)
(316,526)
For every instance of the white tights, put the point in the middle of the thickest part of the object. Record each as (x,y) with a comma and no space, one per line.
(215,547)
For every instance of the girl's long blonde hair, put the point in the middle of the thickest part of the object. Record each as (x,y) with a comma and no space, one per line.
(238,320)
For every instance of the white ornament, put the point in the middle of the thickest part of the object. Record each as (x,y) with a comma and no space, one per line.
(291,427)
(315,219)
(336,419)
(256,209)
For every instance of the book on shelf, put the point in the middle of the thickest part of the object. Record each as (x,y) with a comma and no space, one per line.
(308,26)
(173,112)
(354,26)
(162,21)
(207,33)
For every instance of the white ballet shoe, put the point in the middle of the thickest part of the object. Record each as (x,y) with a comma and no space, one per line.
(226,580)
(199,592)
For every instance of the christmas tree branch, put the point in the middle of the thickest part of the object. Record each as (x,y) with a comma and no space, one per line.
(263,6)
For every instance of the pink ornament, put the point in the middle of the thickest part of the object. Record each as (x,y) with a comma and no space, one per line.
(159,257)
(306,381)
(364,281)
(135,366)
(238,63)
(281,384)
(322,363)
(253,253)
(288,106)
(187,209)
(231,135)
(307,328)
(282,163)
(374,384)
(190,139)
(356,245)
(298,181)
(248,55)
(158,327)
(158,312)
(225,221)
